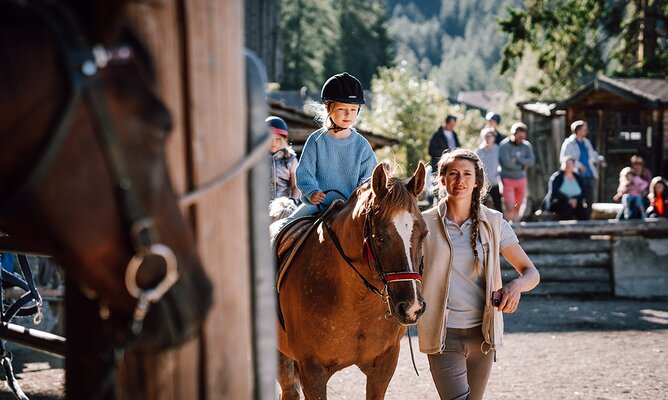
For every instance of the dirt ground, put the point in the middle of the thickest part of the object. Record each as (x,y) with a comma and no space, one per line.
(555,348)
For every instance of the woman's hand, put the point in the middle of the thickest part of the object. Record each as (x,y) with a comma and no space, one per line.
(317,198)
(573,202)
(510,299)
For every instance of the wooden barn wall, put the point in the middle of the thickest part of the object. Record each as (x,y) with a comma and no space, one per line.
(158,26)
(198,49)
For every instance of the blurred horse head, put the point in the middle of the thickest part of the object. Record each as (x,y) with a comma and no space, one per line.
(83,165)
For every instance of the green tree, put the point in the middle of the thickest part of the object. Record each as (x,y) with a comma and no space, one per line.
(308,27)
(456,44)
(364,44)
(322,38)
(410,109)
(575,40)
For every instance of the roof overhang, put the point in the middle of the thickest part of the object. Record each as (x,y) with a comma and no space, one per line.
(609,85)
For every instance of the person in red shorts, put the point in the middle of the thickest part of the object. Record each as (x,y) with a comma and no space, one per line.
(515,157)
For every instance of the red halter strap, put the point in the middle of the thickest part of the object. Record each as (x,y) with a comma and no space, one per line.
(389,276)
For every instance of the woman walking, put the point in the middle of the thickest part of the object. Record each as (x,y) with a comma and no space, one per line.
(462,326)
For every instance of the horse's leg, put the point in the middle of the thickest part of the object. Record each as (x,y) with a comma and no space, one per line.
(313,378)
(287,378)
(379,373)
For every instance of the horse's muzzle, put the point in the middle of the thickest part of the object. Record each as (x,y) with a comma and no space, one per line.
(408,312)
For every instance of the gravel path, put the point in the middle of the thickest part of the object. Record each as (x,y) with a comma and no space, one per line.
(555,348)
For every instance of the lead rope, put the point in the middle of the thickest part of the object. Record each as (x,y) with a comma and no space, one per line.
(410,345)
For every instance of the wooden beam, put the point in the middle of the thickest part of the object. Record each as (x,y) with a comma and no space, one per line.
(557,245)
(570,288)
(646,227)
(565,274)
(598,259)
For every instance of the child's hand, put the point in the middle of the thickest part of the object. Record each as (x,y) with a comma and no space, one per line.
(617,197)
(317,198)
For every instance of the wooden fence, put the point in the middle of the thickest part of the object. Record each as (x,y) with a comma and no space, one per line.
(580,257)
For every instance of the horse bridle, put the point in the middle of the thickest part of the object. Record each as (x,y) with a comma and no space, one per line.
(83,62)
(371,258)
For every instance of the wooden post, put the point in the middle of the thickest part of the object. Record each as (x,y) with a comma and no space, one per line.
(198,49)
(216,99)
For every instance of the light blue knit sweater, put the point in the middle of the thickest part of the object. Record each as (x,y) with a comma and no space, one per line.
(328,163)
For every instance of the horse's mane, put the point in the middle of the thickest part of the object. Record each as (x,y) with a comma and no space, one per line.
(398,197)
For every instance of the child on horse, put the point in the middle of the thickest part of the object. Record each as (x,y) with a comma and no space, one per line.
(284,161)
(335,157)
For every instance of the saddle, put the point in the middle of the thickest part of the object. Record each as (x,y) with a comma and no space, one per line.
(290,238)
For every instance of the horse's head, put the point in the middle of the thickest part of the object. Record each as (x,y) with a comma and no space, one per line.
(394,231)
(83,168)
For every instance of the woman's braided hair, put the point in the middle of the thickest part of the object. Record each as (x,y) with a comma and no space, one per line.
(478,194)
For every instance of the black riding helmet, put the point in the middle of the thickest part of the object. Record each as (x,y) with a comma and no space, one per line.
(343,88)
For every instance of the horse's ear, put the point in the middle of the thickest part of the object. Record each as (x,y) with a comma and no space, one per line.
(379,180)
(416,184)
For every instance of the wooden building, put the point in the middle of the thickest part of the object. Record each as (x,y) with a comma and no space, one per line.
(626,116)
(302,124)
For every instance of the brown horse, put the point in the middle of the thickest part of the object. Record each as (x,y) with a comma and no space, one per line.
(83,168)
(337,302)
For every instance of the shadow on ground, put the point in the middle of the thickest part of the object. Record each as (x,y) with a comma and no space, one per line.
(586,313)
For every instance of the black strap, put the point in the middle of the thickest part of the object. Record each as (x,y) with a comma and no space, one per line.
(31,294)
(347,260)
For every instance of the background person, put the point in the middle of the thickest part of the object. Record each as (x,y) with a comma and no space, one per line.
(515,157)
(658,197)
(488,151)
(630,191)
(283,161)
(460,329)
(639,170)
(493,120)
(565,196)
(445,138)
(586,159)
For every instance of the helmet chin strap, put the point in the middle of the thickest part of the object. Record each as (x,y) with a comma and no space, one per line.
(334,126)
